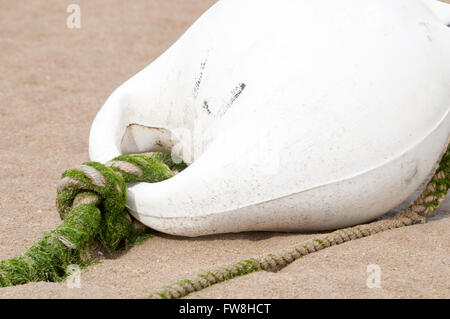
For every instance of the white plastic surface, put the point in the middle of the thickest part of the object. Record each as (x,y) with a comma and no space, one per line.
(295,115)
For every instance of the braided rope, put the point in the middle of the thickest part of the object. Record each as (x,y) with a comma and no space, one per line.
(430,199)
(91,201)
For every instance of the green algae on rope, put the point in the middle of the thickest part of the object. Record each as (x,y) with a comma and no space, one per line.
(48,259)
(427,203)
(91,201)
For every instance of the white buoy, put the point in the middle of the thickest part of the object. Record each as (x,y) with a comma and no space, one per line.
(294,115)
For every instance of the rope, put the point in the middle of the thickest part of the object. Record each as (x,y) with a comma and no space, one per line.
(430,199)
(91,201)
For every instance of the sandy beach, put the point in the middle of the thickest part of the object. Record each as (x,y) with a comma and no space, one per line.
(53,81)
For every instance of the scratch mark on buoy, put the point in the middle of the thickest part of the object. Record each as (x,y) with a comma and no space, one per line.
(198,82)
(206,108)
(235,93)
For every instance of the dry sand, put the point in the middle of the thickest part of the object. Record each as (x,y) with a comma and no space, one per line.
(53,80)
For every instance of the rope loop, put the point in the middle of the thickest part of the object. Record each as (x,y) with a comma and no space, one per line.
(91,202)
(104,185)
